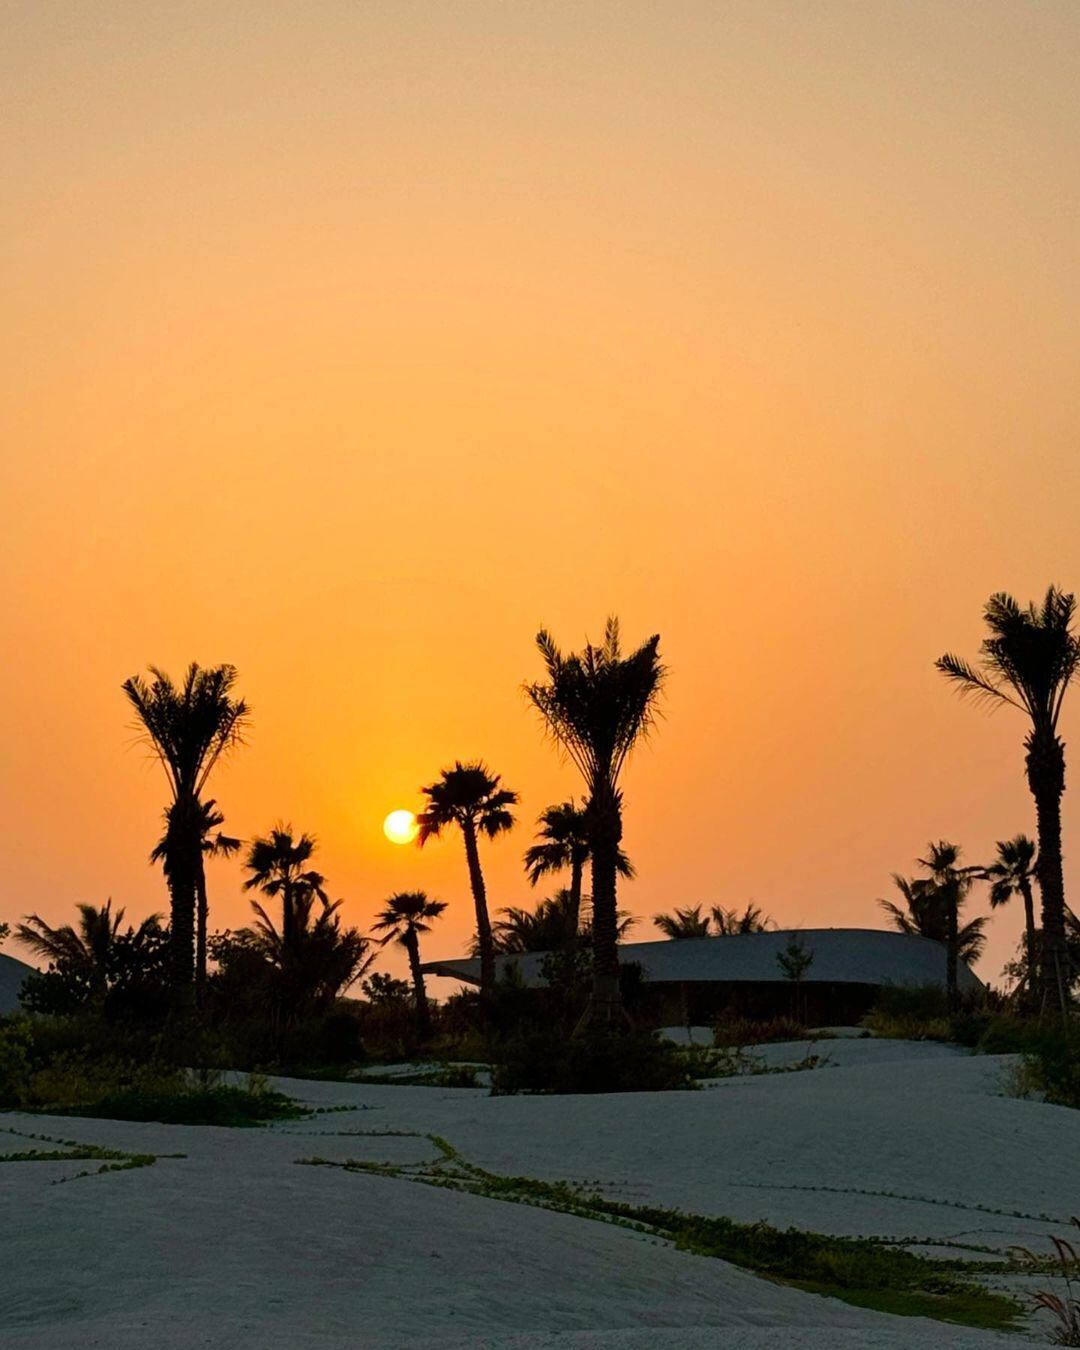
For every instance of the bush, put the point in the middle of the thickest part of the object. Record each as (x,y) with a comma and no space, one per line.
(222,1105)
(729,1031)
(537,1061)
(1050,1067)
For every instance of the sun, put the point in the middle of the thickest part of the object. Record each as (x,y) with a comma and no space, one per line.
(400,827)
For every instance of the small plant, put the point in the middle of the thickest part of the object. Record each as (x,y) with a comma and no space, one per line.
(537,1061)
(1064,1308)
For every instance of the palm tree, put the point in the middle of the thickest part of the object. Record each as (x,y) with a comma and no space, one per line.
(278,868)
(597,705)
(931,909)
(563,842)
(214,845)
(188,727)
(730,922)
(1011,874)
(1028,661)
(314,966)
(404,918)
(554,925)
(470,797)
(89,949)
(684,923)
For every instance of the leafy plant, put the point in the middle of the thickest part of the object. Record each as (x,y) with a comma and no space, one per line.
(1064,1307)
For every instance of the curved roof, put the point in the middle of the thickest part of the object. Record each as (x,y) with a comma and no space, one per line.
(841,956)
(12,974)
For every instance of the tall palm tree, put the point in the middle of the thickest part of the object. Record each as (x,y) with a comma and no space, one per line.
(729,922)
(1028,661)
(469,796)
(563,842)
(214,845)
(684,923)
(951,884)
(597,704)
(278,868)
(405,917)
(1011,873)
(87,948)
(188,727)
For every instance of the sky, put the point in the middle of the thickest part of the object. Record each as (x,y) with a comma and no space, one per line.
(351,342)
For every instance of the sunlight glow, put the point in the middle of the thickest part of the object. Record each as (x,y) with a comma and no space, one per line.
(400,827)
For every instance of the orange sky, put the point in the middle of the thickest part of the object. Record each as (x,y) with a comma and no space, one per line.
(350,343)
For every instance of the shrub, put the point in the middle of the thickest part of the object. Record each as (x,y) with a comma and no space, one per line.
(1050,1067)
(729,1031)
(537,1061)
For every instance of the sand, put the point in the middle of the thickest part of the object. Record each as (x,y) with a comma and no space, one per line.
(235,1245)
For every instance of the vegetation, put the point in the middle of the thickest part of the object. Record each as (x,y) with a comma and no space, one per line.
(563,841)
(597,1061)
(932,907)
(189,727)
(597,705)
(405,916)
(1011,873)
(1063,1307)
(1028,660)
(861,1271)
(719,922)
(469,797)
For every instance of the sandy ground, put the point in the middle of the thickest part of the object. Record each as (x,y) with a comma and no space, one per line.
(234,1245)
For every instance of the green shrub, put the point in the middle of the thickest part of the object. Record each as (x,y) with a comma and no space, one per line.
(223,1105)
(537,1061)
(730,1031)
(1050,1067)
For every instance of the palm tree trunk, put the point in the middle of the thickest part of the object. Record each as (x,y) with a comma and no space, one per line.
(952,949)
(1030,935)
(200,931)
(484,942)
(605,1008)
(182,869)
(577,872)
(1046,779)
(423,1018)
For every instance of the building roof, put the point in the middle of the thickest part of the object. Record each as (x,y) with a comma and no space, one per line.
(841,956)
(12,974)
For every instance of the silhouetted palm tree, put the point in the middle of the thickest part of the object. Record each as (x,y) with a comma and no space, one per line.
(1011,874)
(214,845)
(597,704)
(470,797)
(563,842)
(729,922)
(931,910)
(405,917)
(684,923)
(89,948)
(278,867)
(189,727)
(1028,661)
(554,925)
(315,966)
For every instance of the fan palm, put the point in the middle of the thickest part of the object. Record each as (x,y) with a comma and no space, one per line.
(597,705)
(278,868)
(554,925)
(88,948)
(563,842)
(729,922)
(1011,873)
(188,727)
(469,797)
(1028,661)
(684,923)
(931,910)
(406,915)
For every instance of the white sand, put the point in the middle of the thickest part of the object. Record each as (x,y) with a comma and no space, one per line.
(236,1246)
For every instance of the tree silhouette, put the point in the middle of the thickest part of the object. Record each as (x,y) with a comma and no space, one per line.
(469,796)
(405,916)
(684,923)
(1011,873)
(597,704)
(1028,661)
(278,868)
(563,842)
(932,907)
(188,727)
(554,925)
(729,922)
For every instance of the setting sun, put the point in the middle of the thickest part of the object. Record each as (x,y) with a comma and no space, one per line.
(400,827)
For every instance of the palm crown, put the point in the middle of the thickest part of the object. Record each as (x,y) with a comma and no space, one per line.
(404,913)
(563,841)
(1014,866)
(466,794)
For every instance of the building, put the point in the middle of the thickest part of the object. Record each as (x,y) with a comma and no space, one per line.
(12,974)
(695,980)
